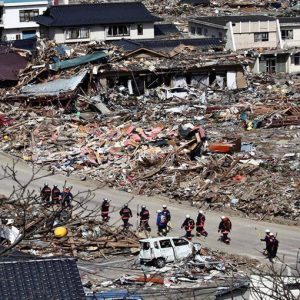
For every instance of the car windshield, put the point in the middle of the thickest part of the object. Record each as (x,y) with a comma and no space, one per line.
(145,245)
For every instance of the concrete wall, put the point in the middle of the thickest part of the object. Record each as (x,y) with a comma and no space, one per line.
(99,33)
(246,40)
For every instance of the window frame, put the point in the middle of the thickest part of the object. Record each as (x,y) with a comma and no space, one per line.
(140,29)
(261,37)
(287,36)
(297,58)
(199,30)
(69,33)
(175,241)
(162,246)
(27,15)
(193,30)
(114,30)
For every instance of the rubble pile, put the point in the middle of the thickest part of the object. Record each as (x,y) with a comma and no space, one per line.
(85,240)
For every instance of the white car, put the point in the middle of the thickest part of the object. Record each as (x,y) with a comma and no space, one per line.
(178,92)
(160,250)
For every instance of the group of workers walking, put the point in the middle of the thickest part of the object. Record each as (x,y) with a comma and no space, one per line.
(163,221)
(55,196)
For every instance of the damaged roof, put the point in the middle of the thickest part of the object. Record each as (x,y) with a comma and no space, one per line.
(167,45)
(95,14)
(40,279)
(11,64)
(223,20)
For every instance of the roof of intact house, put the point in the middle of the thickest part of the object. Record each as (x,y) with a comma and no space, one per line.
(165,30)
(167,45)
(289,20)
(40,280)
(95,14)
(223,20)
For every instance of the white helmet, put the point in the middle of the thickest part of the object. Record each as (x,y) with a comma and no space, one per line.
(143,206)
(200,211)
(223,217)
(187,216)
(158,211)
(267,231)
(164,206)
(271,234)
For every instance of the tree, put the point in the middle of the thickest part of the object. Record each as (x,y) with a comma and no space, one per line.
(276,281)
(31,215)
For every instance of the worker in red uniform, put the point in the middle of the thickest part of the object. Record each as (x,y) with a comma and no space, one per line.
(55,194)
(46,194)
(200,224)
(66,197)
(225,227)
(144,219)
(125,214)
(105,210)
(188,226)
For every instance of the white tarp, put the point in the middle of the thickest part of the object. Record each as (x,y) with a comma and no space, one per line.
(9,233)
(231,80)
(220,81)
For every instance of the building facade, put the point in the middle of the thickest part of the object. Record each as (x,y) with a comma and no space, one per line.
(17,18)
(239,32)
(97,22)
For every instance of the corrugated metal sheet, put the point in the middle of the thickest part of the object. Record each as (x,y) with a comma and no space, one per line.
(54,87)
(74,62)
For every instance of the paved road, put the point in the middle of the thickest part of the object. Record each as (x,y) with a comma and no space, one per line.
(245,234)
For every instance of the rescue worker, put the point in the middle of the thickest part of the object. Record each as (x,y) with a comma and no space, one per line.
(55,194)
(188,226)
(125,214)
(273,246)
(266,240)
(46,194)
(161,223)
(105,210)
(66,197)
(144,218)
(200,224)
(225,227)
(167,215)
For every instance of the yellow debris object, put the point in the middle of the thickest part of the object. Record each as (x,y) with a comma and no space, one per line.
(60,232)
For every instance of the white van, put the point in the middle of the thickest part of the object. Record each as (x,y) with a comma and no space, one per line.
(160,250)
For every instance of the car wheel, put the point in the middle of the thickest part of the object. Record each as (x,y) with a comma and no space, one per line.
(160,263)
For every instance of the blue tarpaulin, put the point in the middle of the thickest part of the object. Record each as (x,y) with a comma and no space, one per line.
(74,62)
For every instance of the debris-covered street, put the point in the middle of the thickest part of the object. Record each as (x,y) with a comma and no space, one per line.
(150,149)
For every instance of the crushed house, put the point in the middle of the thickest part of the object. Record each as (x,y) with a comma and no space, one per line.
(97,22)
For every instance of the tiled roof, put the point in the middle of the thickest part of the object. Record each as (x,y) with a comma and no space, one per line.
(96,14)
(289,20)
(55,279)
(223,20)
(167,45)
(165,29)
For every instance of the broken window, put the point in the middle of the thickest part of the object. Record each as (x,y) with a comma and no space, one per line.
(118,30)
(297,59)
(180,242)
(261,37)
(28,15)
(199,30)
(287,34)
(193,30)
(140,29)
(77,33)
(165,244)
(145,246)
